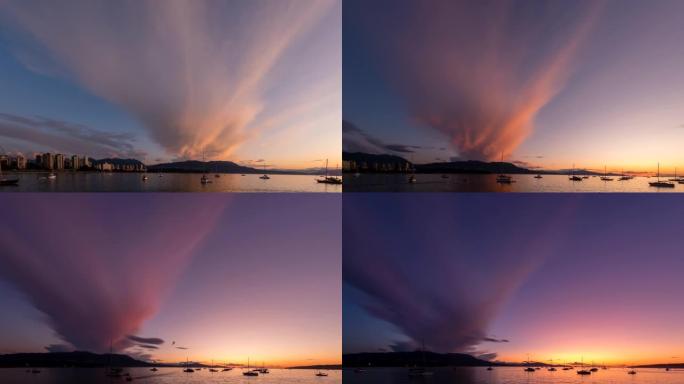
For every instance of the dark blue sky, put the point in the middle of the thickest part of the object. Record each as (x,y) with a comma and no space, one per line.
(227,276)
(490,77)
(554,275)
(238,80)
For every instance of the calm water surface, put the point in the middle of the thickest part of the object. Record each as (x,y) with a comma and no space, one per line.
(164,376)
(513,375)
(487,183)
(167,182)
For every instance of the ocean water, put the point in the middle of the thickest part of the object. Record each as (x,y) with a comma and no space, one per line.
(164,376)
(487,183)
(513,375)
(167,182)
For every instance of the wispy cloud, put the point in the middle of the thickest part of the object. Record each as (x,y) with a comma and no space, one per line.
(435,287)
(146,340)
(495,340)
(74,280)
(194,73)
(357,140)
(478,71)
(67,137)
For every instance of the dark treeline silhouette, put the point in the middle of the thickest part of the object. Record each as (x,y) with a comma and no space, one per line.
(419,358)
(77,359)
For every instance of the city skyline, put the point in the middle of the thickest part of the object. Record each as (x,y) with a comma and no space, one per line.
(234,81)
(554,276)
(167,277)
(544,85)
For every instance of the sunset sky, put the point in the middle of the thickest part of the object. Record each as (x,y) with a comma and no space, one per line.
(164,80)
(227,277)
(555,276)
(546,83)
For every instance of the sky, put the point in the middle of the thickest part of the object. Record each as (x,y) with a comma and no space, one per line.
(166,80)
(544,84)
(171,277)
(559,277)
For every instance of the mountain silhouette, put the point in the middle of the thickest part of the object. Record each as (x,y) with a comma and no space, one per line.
(69,359)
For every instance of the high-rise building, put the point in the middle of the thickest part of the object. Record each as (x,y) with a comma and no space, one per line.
(21,162)
(75,164)
(59,161)
(48,161)
(87,162)
(106,167)
(4,161)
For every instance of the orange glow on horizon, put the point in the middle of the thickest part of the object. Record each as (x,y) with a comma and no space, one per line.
(256,360)
(594,357)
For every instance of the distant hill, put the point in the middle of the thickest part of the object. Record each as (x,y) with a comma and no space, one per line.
(404,359)
(79,359)
(69,359)
(201,166)
(417,358)
(472,166)
(333,366)
(194,166)
(665,365)
(366,162)
(119,162)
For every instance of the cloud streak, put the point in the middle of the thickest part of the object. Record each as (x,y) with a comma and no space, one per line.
(146,340)
(479,72)
(357,140)
(63,136)
(100,276)
(194,73)
(433,283)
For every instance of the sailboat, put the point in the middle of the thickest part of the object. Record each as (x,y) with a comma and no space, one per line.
(7,181)
(263,368)
(593,367)
(412,177)
(112,371)
(321,374)
(264,176)
(501,178)
(624,177)
(552,369)
(660,184)
(212,369)
(529,369)
(420,371)
(205,179)
(250,372)
(583,371)
(329,179)
(574,177)
(187,368)
(677,179)
(605,175)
